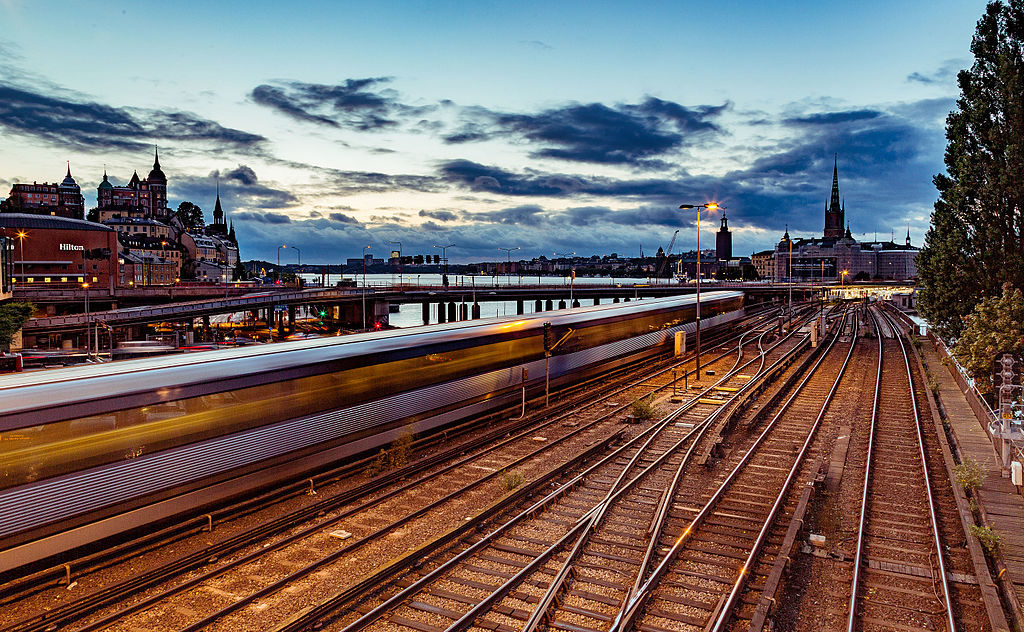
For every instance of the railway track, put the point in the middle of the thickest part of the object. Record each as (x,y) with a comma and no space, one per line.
(487,464)
(901,574)
(481,582)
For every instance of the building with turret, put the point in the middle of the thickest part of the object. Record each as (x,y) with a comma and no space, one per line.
(146,198)
(59,200)
(837,255)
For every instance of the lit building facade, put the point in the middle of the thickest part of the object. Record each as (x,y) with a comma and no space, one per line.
(828,257)
(59,251)
(58,200)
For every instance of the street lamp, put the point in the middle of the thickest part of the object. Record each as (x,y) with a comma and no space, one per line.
(88,333)
(508,262)
(445,259)
(365,248)
(279,260)
(21,244)
(710,206)
(572,273)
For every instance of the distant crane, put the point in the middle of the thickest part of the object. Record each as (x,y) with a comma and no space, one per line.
(661,268)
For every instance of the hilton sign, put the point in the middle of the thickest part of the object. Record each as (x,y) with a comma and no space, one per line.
(71,247)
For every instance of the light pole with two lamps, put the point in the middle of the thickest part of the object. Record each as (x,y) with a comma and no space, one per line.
(365,248)
(508,262)
(444,258)
(710,206)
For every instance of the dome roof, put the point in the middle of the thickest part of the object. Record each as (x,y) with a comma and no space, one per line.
(106,183)
(157,175)
(68,180)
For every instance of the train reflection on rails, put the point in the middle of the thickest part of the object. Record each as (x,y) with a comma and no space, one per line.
(92,450)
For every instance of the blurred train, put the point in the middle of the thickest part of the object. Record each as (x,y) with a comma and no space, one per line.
(89,452)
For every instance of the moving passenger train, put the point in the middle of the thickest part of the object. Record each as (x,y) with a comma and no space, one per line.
(88,452)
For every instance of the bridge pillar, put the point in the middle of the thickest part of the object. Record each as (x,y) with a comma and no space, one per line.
(426,312)
(440,312)
(561,304)
(291,319)
(549,305)
(269,317)
(206,328)
(519,307)
(538,306)
(476,310)
(451,312)
(597,300)
(463,311)
(576,302)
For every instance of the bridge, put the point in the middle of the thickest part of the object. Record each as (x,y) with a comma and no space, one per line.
(346,305)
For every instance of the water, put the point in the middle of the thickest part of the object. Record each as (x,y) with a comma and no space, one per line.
(463,288)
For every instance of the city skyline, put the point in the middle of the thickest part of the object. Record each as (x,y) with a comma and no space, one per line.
(568,128)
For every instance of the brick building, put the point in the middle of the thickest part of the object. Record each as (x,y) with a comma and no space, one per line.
(59,200)
(60,251)
(139,198)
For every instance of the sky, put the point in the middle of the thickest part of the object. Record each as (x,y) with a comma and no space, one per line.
(550,126)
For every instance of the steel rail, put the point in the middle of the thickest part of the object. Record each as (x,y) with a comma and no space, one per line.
(725,612)
(598,513)
(400,597)
(627,615)
(858,559)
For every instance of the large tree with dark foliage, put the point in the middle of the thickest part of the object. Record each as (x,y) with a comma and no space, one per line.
(13,317)
(191,216)
(976,240)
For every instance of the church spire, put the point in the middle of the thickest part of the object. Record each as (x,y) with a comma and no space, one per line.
(69,168)
(835,210)
(156,158)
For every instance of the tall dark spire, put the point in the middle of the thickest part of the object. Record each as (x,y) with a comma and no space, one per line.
(69,169)
(835,211)
(156,157)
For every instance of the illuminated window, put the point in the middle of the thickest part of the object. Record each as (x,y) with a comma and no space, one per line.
(94,279)
(63,279)
(46,279)
(30,280)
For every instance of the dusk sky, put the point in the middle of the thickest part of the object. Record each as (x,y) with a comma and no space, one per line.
(552,126)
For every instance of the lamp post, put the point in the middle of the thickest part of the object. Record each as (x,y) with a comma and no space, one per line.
(445,259)
(508,262)
(365,248)
(279,260)
(21,244)
(88,333)
(710,206)
(572,273)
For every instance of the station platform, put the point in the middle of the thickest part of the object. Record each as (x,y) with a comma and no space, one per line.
(1002,507)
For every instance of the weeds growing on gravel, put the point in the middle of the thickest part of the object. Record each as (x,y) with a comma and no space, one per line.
(510,480)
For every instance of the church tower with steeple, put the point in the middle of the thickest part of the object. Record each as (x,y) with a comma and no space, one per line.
(835,208)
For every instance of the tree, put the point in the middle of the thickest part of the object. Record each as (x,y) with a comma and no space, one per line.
(191,216)
(996,326)
(976,241)
(93,214)
(13,317)
(11,205)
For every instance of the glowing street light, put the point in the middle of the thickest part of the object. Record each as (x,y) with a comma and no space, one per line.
(21,244)
(710,206)
(508,262)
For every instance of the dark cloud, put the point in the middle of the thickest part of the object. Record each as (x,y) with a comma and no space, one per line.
(443,216)
(339,182)
(84,124)
(525,215)
(944,75)
(344,219)
(241,174)
(262,218)
(833,118)
(636,134)
(360,104)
